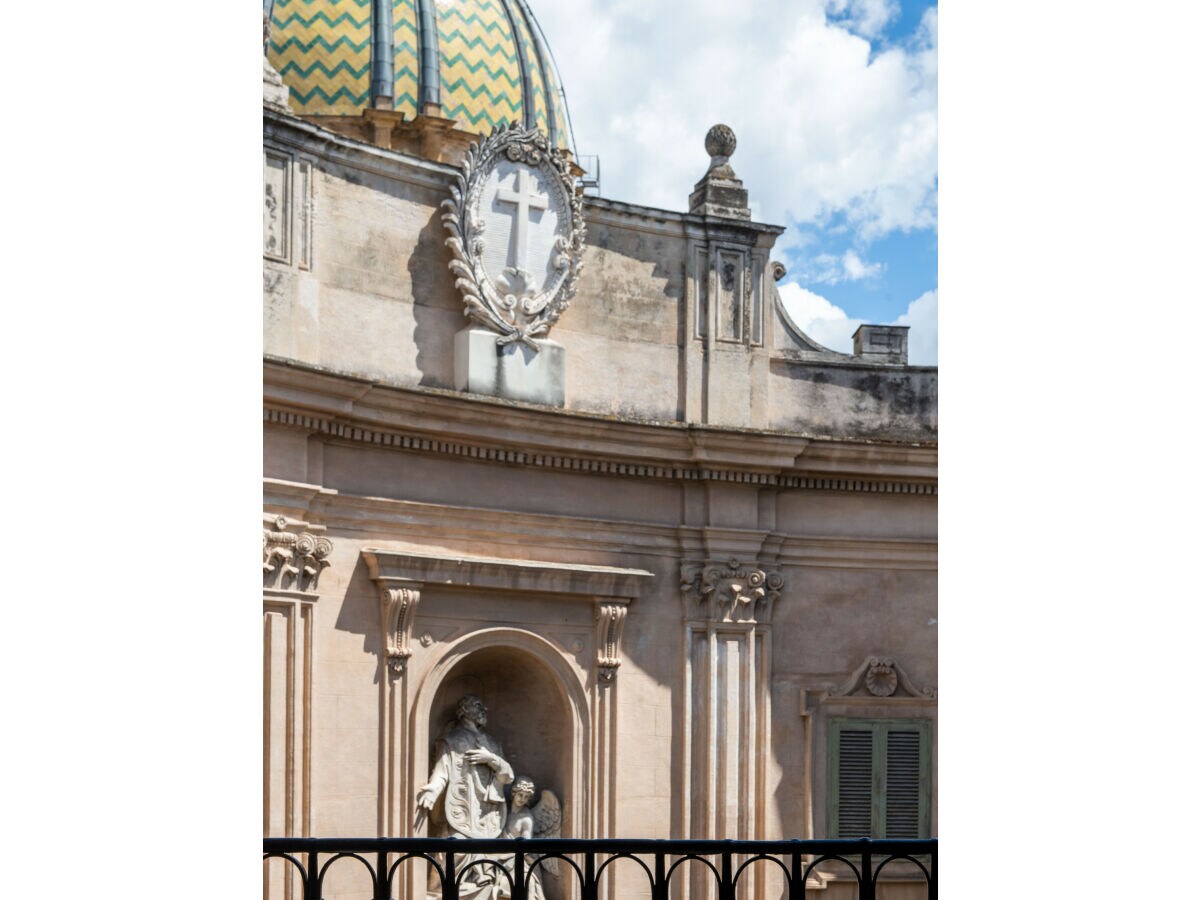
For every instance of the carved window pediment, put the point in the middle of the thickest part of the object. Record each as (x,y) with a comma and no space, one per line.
(880,676)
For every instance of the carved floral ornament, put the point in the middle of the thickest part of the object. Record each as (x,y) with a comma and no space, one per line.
(880,677)
(731,591)
(293,559)
(516,231)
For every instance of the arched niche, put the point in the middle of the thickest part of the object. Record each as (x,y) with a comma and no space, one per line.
(537,709)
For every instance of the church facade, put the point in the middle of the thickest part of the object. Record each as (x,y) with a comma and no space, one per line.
(570,456)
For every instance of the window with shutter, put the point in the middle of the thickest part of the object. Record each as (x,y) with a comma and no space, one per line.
(879,778)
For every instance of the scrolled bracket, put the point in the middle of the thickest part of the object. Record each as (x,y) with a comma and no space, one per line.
(610,623)
(397,611)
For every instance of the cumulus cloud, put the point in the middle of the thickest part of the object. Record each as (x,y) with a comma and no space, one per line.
(922,319)
(821,320)
(825,268)
(865,17)
(825,124)
(827,324)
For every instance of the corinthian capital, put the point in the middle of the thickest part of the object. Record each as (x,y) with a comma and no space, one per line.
(730,591)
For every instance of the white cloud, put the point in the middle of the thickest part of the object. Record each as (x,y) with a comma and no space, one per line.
(922,319)
(828,324)
(821,320)
(865,17)
(823,126)
(825,268)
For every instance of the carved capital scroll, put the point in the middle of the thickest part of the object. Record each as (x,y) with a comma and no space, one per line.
(293,556)
(610,622)
(730,591)
(397,610)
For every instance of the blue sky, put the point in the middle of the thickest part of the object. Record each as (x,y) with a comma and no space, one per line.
(897,266)
(834,103)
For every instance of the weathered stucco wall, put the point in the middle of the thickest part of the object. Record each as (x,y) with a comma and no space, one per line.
(359,282)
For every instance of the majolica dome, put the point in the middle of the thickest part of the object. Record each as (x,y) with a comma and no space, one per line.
(482,63)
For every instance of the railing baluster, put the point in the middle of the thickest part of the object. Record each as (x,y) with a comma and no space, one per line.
(590,891)
(866,884)
(312,889)
(660,874)
(518,888)
(796,884)
(725,889)
(450,885)
(381,879)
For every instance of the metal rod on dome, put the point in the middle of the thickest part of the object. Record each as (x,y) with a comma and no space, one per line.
(383,75)
(539,49)
(430,79)
(527,112)
(562,92)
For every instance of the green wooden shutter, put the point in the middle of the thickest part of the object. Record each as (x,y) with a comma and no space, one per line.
(854,788)
(902,815)
(879,778)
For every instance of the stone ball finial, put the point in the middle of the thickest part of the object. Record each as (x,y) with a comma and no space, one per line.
(720,141)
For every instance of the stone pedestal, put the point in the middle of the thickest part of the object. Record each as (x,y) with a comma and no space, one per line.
(513,371)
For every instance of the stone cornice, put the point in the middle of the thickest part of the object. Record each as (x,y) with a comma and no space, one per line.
(297,134)
(398,567)
(664,221)
(570,537)
(447,423)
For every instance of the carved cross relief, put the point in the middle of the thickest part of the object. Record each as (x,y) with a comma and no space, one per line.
(525,198)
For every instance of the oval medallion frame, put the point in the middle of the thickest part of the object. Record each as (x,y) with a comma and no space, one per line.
(514,304)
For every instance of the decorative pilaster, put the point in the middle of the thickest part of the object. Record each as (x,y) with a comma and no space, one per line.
(294,556)
(610,621)
(727,607)
(611,613)
(397,610)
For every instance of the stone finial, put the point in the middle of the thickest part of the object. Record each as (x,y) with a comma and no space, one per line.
(720,192)
(720,142)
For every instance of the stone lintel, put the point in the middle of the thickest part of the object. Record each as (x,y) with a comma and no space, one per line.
(397,567)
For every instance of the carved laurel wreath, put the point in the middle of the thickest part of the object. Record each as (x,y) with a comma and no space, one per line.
(512,309)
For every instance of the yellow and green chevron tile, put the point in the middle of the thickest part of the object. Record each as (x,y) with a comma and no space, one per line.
(535,73)
(481,75)
(322,48)
(407,57)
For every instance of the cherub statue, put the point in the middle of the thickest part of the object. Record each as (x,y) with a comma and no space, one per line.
(541,821)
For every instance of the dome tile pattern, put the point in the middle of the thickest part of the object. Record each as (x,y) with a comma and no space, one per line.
(481,70)
(405,41)
(322,48)
(493,65)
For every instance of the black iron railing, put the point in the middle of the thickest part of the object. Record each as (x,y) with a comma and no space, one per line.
(584,862)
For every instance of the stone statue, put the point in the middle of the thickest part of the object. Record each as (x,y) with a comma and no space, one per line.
(471,770)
